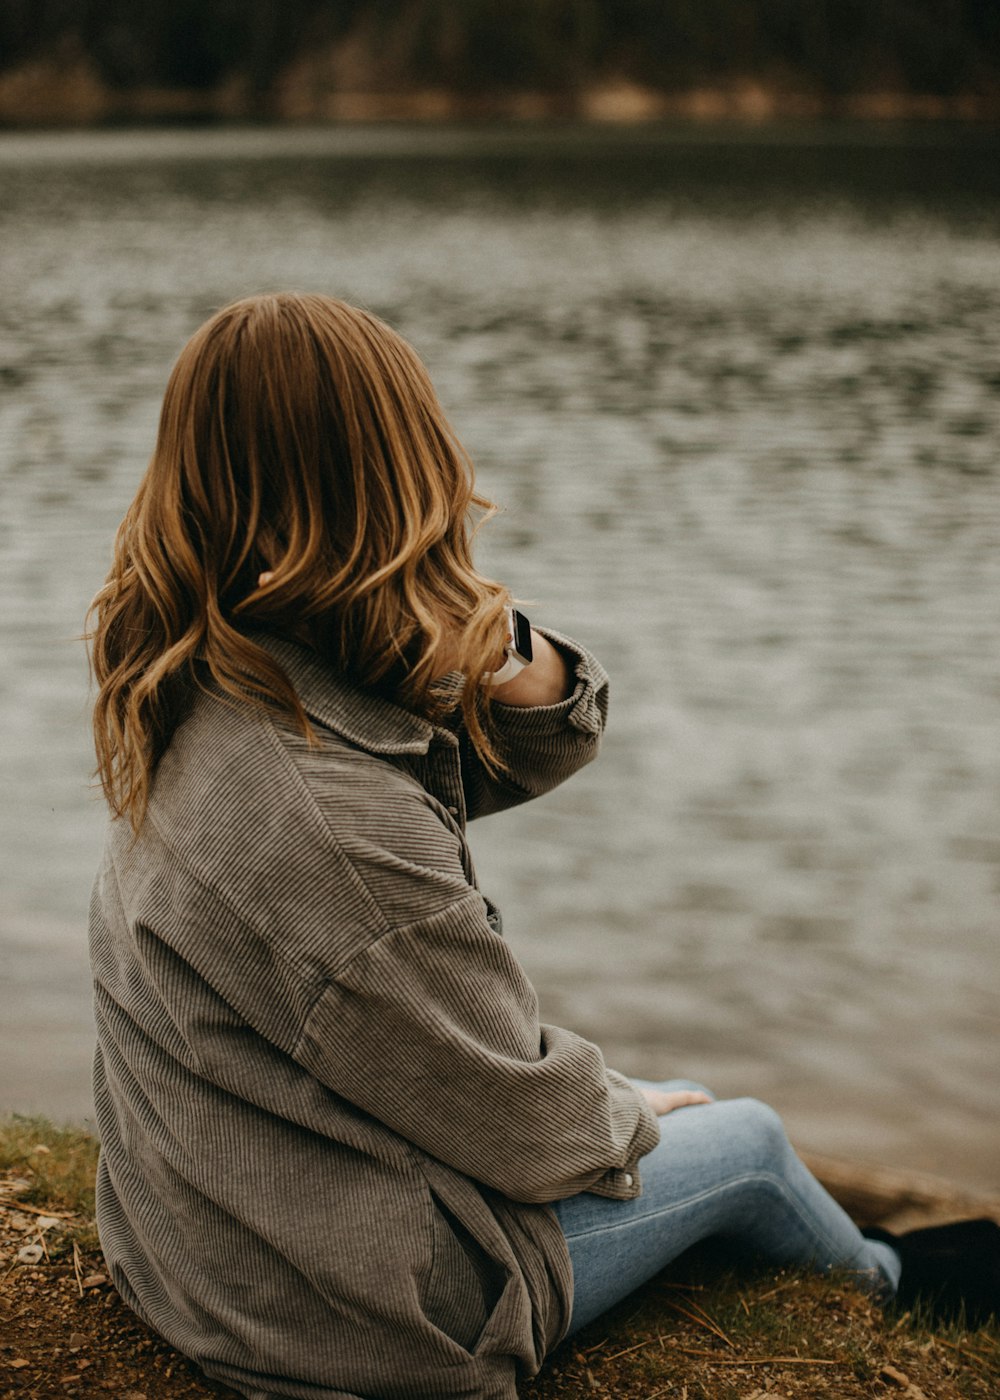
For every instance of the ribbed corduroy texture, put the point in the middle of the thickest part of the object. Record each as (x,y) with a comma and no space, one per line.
(330,1119)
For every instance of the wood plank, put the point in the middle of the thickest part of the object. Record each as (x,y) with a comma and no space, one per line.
(897,1199)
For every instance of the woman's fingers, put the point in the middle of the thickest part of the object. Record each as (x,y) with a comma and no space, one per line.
(662,1103)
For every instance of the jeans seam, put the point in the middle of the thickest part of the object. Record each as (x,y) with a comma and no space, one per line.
(766,1178)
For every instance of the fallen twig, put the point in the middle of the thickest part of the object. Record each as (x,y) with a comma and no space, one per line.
(763,1297)
(36,1210)
(638,1347)
(963,1346)
(717,1360)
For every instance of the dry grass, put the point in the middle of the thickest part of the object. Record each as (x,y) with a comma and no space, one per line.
(697,1332)
(58,1163)
(703,1332)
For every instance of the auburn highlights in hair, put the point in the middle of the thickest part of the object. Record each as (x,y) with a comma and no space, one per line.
(299,438)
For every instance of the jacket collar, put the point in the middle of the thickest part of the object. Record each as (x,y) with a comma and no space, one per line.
(364,719)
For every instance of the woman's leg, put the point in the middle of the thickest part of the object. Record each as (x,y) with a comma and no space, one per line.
(723,1169)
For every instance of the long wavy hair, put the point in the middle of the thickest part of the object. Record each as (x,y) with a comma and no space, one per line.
(300,438)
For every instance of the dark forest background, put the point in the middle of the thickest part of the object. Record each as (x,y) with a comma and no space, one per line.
(941,47)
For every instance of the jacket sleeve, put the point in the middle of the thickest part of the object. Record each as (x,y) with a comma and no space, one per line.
(543,745)
(433,1029)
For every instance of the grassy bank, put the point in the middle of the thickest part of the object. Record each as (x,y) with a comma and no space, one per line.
(698,1332)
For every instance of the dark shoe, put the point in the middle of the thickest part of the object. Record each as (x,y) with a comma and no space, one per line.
(948,1268)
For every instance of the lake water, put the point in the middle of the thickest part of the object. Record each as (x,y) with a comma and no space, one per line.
(739,393)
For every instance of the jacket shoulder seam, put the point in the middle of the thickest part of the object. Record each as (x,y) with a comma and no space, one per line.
(327,831)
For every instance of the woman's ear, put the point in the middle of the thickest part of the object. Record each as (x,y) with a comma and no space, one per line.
(263,579)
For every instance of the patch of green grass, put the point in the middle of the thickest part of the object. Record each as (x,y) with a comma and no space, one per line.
(57,1163)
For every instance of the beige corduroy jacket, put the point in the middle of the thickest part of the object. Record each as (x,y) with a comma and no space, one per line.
(330,1118)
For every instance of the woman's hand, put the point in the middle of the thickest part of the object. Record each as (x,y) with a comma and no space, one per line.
(662,1103)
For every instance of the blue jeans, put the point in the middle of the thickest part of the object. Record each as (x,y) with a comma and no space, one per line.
(720,1169)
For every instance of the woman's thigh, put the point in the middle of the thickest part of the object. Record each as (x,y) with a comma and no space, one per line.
(724,1168)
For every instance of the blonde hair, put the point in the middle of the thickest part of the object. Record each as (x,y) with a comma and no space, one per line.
(299,437)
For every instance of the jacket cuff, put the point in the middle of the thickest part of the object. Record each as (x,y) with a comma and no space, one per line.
(625,1183)
(586,709)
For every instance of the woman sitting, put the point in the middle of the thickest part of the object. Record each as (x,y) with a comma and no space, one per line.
(340,1155)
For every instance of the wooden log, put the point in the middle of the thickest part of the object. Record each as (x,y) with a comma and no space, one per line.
(894,1199)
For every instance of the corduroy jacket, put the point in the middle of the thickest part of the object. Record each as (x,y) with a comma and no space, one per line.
(330,1119)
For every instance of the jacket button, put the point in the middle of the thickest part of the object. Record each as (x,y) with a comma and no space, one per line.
(453,811)
(629,1179)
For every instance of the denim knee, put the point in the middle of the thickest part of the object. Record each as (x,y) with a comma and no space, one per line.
(760,1132)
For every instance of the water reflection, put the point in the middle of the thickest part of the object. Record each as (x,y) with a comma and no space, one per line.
(741,403)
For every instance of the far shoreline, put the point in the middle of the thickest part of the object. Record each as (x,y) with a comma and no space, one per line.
(60,94)
(471,139)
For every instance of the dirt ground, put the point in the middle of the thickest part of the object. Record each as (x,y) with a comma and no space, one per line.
(696,1333)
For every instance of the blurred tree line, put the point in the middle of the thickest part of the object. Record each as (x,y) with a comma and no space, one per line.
(836,46)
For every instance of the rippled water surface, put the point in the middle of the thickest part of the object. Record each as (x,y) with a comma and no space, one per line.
(740,396)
